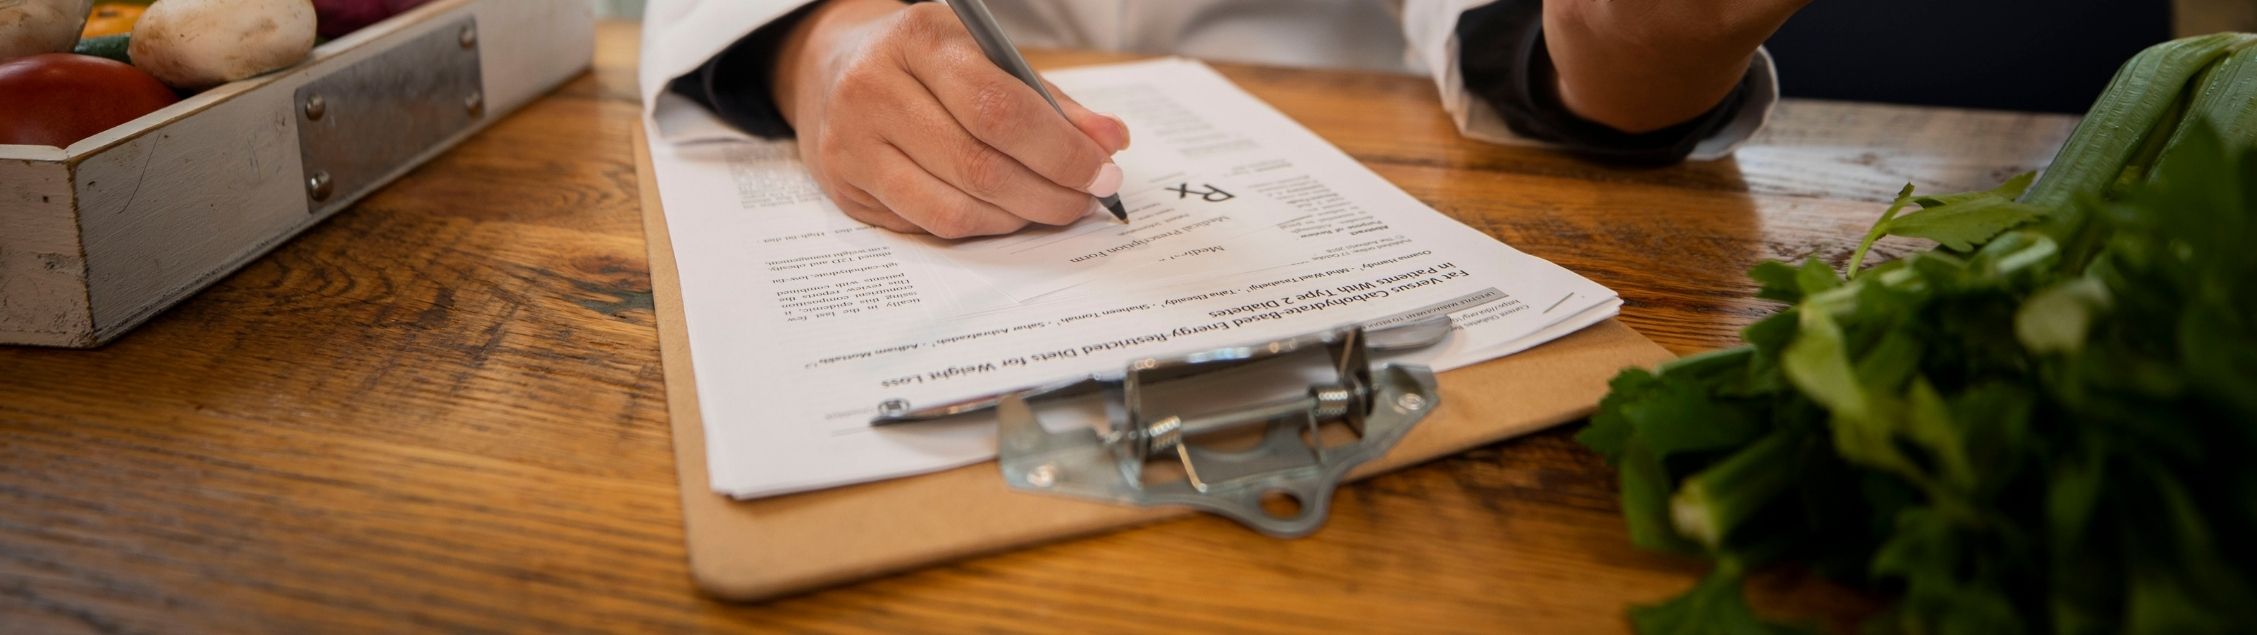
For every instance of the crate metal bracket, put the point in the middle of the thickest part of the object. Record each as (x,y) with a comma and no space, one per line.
(362,126)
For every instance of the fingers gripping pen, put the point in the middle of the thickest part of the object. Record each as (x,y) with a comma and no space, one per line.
(999,50)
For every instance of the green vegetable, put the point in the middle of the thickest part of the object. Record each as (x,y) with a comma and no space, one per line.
(1711,504)
(2228,88)
(1958,221)
(107,47)
(2142,95)
(2044,425)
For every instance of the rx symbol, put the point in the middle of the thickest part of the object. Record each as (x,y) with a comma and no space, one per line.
(1210,194)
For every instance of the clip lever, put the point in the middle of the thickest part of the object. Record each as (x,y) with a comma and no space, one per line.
(1292,457)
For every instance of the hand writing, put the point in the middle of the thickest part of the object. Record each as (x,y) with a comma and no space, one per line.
(909,127)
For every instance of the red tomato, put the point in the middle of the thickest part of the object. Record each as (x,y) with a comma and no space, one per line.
(57,99)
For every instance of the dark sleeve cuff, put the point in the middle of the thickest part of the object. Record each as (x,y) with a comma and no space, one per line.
(735,84)
(1503,60)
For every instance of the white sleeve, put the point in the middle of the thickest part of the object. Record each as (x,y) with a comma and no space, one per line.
(1431,26)
(678,37)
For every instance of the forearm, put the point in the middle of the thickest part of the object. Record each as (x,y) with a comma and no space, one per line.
(1644,66)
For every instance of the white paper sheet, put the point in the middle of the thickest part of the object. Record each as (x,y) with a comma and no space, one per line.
(802,321)
(1162,227)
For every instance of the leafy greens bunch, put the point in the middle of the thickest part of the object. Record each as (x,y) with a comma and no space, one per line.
(2046,424)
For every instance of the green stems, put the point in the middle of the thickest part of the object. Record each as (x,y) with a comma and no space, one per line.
(1709,505)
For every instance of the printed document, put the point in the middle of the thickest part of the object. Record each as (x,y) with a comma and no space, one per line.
(1245,227)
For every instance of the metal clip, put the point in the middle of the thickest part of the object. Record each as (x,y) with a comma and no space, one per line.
(1281,484)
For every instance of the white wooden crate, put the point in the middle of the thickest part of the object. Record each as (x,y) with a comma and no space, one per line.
(100,236)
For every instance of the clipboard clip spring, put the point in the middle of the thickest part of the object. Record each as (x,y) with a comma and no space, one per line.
(1280,484)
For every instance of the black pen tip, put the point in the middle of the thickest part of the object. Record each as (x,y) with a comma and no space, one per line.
(1113,204)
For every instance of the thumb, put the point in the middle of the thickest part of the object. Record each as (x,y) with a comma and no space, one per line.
(1107,130)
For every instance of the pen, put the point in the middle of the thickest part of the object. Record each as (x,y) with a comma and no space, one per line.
(999,50)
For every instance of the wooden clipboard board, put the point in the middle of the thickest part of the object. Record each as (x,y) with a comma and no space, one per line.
(771,547)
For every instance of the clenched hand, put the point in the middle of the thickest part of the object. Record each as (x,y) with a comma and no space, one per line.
(1644,65)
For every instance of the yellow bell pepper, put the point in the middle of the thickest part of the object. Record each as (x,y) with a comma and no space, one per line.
(111,18)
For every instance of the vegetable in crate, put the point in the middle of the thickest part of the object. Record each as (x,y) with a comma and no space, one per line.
(110,47)
(112,18)
(59,98)
(198,44)
(32,27)
(341,17)
(2041,426)
(109,30)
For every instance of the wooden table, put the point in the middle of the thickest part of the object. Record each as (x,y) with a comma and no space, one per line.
(443,411)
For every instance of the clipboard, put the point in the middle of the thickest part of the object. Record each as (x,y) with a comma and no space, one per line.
(772,547)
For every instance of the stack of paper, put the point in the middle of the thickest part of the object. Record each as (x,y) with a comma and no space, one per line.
(1244,227)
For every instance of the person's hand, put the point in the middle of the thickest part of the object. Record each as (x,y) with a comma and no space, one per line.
(909,127)
(1643,65)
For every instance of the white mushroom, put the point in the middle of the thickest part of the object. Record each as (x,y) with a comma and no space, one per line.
(195,44)
(32,27)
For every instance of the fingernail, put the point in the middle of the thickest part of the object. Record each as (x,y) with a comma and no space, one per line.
(1124,131)
(1107,183)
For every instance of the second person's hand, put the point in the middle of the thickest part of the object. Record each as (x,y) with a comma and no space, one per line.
(908,126)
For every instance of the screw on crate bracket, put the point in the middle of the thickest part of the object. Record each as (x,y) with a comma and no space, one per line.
(1281,485)
(365,123)
(320,186)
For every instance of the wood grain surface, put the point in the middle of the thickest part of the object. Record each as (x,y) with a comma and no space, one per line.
(443,411)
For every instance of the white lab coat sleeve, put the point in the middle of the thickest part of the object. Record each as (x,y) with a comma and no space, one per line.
(1431,27)
(678,37)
